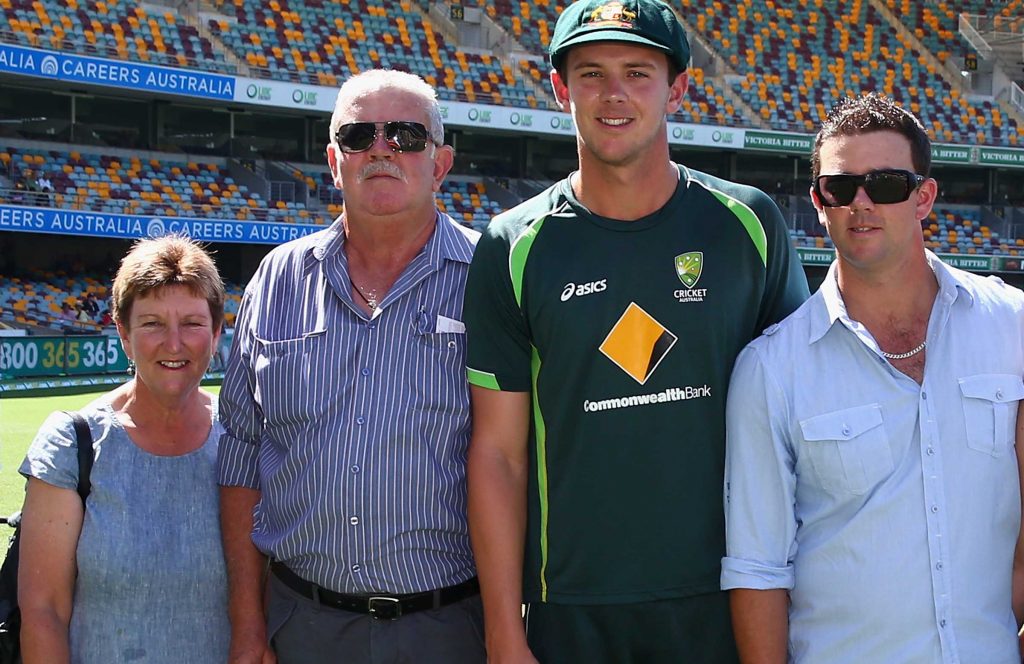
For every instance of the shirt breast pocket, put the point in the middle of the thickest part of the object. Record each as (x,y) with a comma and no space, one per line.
(293,378)
(848,449)
(990,411)
(437,372)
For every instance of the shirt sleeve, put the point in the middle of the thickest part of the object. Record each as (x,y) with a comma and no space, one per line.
(240,413)
(760,482)
(785,283)
(53,455)
(498,344)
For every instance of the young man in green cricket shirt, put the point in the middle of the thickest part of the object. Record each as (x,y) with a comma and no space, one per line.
(604,316)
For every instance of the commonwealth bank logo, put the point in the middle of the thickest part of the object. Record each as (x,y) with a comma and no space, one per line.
(637,343)
(689,267)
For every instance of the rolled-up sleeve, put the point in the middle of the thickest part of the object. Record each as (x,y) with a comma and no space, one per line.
(240,413)
(760,481)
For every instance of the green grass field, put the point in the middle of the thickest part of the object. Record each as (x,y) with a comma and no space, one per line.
(20,418)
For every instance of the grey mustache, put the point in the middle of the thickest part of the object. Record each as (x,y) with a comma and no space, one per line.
(381,168)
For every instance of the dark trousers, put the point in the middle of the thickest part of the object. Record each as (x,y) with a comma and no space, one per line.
(302,631)
(690,630)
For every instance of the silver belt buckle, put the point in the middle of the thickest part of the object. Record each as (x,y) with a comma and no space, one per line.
(385,608)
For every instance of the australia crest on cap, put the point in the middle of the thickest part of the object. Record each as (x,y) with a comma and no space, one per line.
(611,14)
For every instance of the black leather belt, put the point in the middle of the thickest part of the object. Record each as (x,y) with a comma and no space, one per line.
(381,607)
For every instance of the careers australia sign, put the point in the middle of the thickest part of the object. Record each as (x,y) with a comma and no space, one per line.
(117,73)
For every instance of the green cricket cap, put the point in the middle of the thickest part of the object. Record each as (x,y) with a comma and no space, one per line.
(643,22)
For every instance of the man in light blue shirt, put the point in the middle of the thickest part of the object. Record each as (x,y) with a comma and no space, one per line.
(872,492)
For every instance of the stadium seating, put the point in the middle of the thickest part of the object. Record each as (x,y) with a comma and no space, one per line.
(113,184)
(960,231)
(704,104)
(38,299)
(468,203)
(530,22)
(802,56)
(936,24)
(947,230)
(109,28)
(323,42)
(816,240)
(797,56)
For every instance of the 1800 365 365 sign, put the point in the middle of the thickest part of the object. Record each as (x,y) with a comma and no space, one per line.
(52,356)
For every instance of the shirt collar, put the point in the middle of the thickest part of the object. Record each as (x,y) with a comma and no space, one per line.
(449,241)
(952,283)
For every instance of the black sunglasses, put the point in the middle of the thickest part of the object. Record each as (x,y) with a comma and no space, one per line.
(882,187)
(401,136)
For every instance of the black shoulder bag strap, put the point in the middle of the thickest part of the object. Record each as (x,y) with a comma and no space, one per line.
(85,454)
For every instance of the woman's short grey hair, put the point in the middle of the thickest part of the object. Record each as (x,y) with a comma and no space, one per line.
(377,80)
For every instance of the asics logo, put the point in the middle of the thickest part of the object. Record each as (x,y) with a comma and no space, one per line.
(579,290)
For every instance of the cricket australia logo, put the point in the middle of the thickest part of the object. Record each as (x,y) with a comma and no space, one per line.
(611,14)
(689,267)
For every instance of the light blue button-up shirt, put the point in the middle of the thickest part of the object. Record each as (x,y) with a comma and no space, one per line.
(889,510)
(354,427)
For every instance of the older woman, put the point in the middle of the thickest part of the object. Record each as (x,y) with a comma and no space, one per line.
(138,575)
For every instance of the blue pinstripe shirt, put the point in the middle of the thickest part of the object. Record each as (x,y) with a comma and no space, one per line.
(354,428)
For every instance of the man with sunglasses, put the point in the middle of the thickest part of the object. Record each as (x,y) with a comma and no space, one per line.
(346,411)
(604,316)
(873,503)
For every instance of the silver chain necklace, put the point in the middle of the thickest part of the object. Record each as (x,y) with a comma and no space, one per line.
(370,301)
(903,356)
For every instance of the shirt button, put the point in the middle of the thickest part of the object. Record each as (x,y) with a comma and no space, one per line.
(354,468)
(354,521)
(938,565)
(924,396)
(365,371)
(935,509)
(360,420)
(356,567)
(846,430)
(999,394)
(942,623)
(930,451)
(452,344)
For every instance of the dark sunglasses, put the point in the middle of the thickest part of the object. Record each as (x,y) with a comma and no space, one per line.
(882,187)
(400,135)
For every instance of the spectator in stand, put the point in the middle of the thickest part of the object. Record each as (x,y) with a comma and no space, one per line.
(90,305)
(106,319)
(19,195)
(32,186)
(45,190)
(82,316)
(67,312)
